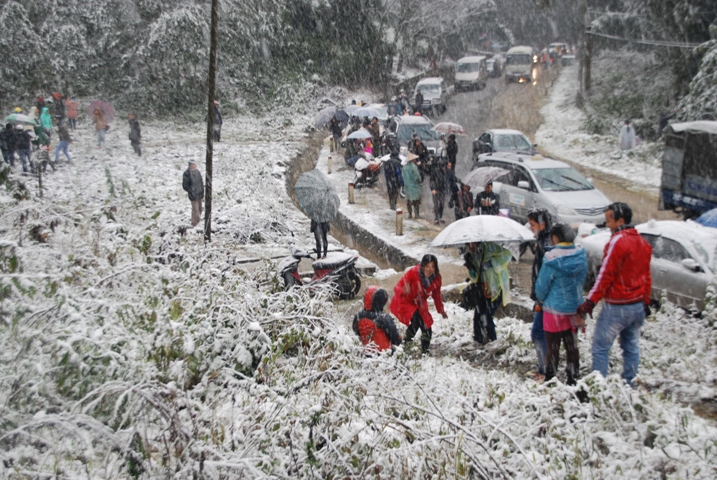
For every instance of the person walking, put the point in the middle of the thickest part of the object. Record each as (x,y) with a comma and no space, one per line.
(410,300)
(218,122)
(452,150)
(98,118)
(627,136)
(46,122)
(320,231)
(7,144)
(394,180)
(412,186)
(59,102)
(464,206)
(194,186)
(559,289)
(72,113)
(540,222)
(65,141)
(23,143)
(375,130)
(336,133)
(135,134)
(437,183)
(419,102)
(376,328)
(624,283)
(487,265)
(487,201)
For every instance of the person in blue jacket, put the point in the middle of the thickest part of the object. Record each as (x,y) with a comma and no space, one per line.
(46,121)
(559,288)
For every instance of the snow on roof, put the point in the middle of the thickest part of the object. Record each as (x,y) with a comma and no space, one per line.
(472,59)
(506,131)
(430,80)
(702,126)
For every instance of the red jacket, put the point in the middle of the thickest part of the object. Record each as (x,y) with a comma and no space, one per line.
(624,276)
(404,305)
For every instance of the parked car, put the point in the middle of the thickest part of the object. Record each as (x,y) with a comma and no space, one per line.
(404,126)
(502,140)
(435,94)
(472,73)
(537,181)
(684,259)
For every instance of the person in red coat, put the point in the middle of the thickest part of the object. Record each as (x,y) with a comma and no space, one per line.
(375,328)
(410,299)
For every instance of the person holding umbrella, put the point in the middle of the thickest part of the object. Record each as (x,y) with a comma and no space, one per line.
(98,119)
(320,231)
(410,299)
(452,150)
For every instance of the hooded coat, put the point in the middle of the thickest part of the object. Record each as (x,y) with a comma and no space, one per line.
(372,324)
(46,119)
(559,287)
(193,184)
(404,305)
(411,181)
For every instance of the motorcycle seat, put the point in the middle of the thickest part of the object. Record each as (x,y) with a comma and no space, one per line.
(332,260)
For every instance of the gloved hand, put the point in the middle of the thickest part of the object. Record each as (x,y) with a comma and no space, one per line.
(444,314)
(586,308)
(648,310)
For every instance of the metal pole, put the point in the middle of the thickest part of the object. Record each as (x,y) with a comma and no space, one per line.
(212,82)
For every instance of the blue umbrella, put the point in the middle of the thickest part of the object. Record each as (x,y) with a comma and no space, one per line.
(708,219)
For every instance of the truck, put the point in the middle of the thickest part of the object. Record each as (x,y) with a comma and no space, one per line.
(689,168)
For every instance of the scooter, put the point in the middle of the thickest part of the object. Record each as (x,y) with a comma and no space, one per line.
(337,269)
(366,171)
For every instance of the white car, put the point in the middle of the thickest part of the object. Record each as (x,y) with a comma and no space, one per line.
(684,259)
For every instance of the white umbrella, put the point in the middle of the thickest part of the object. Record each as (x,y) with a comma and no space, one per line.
(479,177)
(482,228)
(361,133)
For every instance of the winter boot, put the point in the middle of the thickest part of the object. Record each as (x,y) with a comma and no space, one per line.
(425,343)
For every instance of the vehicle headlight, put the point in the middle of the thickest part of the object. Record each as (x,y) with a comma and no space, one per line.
(564,209)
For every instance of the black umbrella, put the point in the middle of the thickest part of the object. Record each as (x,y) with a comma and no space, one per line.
(316,196)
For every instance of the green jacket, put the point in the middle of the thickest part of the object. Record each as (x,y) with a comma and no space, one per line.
(46,119)
(411,181)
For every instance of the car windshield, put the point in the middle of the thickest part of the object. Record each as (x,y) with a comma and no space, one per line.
(468,67)
(518,59)
(564,179)
(504,142)
(428,88)
(405,132)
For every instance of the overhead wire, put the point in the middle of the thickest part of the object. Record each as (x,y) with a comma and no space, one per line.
(656,43)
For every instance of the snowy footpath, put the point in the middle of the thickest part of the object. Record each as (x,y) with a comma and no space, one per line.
(562,135)
(130,349)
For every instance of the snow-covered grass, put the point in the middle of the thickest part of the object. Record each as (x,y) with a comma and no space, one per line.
(131,349)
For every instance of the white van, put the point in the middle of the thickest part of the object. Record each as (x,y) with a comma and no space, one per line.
(519,64)
(435,94)
(471,72)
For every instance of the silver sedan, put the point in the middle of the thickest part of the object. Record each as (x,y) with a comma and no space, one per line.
(684,259)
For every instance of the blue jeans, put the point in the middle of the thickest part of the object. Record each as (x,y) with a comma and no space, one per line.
(537,335)
(62,146)
(625,321)
(100,137)
(25,155)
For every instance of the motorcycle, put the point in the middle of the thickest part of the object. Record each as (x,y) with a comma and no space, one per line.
(366,170)
(337,269)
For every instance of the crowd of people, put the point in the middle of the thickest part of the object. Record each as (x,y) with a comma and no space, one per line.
(28,135)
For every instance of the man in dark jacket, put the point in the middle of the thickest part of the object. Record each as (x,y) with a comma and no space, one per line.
(419,102)
(194,186)
(7,144)
(488,202)
(375,130)
(135,134)
(336,133)
(59,101)
(392,172)
(23,144)
(452,150)
(437,183)
(624,283)
(217,122)
(375,328)
(540,223)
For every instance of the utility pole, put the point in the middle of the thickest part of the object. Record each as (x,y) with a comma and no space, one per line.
(588,58)
(212,81)
(582,12)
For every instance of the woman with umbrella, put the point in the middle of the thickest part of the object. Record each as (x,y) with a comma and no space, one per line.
(98,118)
(410,299)
(487,265)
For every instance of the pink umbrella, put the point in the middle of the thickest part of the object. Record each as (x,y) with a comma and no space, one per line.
(106,108)
(448,128)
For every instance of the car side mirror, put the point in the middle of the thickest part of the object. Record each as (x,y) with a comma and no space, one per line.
(691,264)
(524,185)
(535,145)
